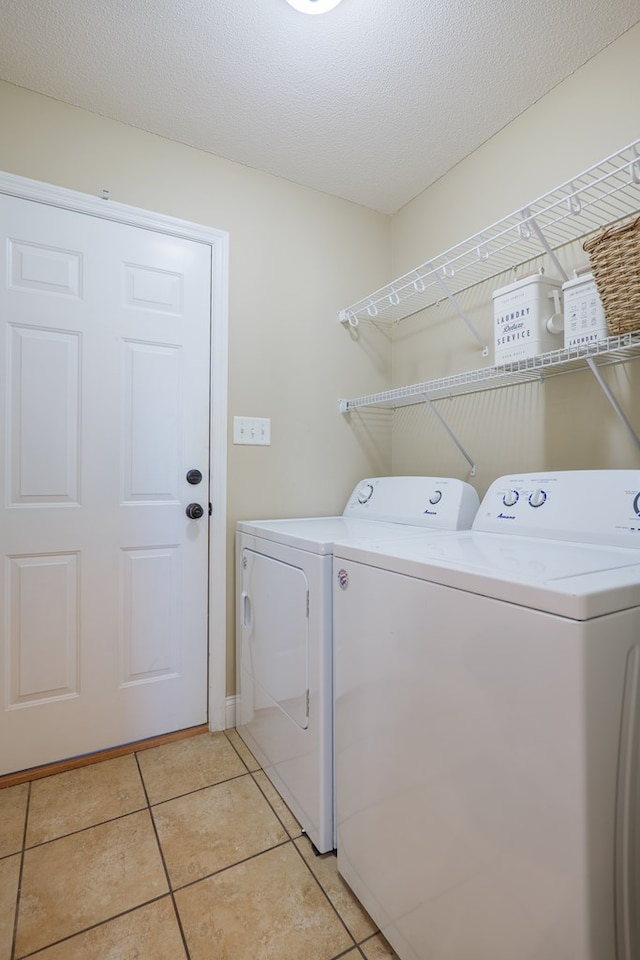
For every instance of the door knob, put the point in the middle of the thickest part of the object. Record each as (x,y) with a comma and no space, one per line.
(194,511)
(194,476)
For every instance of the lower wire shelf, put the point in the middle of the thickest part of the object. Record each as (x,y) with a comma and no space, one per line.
(613,350)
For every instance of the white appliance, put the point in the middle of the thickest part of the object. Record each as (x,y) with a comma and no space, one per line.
(488,726)
(284,636)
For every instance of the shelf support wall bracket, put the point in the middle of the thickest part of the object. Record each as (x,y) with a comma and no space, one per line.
(529,220)
(432,407)
(456,304)
(593,366)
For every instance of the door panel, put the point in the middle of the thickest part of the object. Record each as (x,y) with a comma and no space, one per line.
(104,351)
(275,634)
(152,396)
(150,614)
(43,443)
(43,602)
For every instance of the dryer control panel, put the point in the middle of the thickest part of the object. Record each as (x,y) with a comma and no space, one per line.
(594,506)
(441,503)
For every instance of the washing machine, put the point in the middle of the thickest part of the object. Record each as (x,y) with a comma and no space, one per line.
(284,629)
(488,726)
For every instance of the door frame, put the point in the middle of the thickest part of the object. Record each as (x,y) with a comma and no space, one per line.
(218,240)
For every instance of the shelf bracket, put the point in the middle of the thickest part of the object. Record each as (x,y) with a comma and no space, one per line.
(593,366)
(529,220)
(456,304)
(432,407)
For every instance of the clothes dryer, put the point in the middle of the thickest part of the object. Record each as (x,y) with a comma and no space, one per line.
(488,726)
(284,629)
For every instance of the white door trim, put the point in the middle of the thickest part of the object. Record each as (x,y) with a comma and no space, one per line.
(219,241)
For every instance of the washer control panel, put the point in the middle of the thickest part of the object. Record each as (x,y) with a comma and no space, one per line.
(596,506)
(441,503)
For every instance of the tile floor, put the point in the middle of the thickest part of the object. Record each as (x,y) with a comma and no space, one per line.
(179,852)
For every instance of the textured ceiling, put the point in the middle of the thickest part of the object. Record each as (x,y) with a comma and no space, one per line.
(371,102)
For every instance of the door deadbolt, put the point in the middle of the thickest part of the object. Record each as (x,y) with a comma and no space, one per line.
(194,511)
(194,477)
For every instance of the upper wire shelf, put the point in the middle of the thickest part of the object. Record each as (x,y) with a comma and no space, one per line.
(612,350)
(601,195)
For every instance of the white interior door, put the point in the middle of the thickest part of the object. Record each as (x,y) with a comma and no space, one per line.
(104,353)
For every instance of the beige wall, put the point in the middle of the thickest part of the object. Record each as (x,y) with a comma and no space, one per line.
(562,424)
(296,257)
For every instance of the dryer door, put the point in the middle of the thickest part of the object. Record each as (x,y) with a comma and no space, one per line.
(275,634)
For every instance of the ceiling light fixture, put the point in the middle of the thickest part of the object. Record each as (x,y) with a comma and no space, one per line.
(313,6)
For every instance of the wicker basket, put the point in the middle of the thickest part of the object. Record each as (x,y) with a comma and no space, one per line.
(615,260)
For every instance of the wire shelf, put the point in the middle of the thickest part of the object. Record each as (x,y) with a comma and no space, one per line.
(601,195)
(612,350)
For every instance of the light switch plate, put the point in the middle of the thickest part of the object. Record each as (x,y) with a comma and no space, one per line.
(255,430)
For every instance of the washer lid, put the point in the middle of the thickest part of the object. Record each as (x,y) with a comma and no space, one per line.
(574,580)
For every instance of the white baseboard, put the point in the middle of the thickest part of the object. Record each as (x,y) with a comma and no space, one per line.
(230,712)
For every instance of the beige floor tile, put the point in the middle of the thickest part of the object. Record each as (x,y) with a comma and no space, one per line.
(268,908)
(325,868)
(9,875)
(13,809)
(148,933)
(82,798)
(177,768)
(214,828)
(377,948)
(86,878)
(291,825)
(237,741)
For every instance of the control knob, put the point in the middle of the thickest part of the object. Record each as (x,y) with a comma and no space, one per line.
(510,498)
(365,493)
(537,498)
(435,497)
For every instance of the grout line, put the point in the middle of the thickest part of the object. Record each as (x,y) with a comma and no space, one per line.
(232,744)
(20,871)
(164,863)
(327,897)
(252,773)
(230,866)
(345,953)
(273,809)
(91,826)
(188,793)
(93,926)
